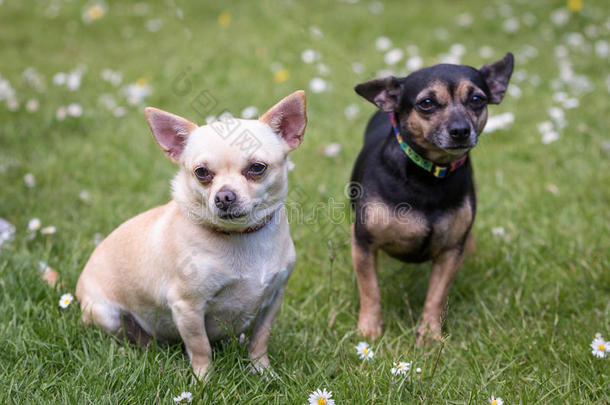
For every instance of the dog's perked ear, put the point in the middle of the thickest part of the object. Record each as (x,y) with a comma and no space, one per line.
(384,93)
(288,118)
(497,75)
(170,131)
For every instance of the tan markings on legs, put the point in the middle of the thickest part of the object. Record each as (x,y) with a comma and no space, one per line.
(444,269)
(189,319)
(370,319)
(257,348)
(470,245)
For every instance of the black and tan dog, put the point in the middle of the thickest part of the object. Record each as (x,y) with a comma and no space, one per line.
(412,186)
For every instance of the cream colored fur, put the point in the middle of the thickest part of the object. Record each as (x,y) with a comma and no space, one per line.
(176,274)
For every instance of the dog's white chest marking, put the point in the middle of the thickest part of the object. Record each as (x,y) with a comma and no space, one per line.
(235,283)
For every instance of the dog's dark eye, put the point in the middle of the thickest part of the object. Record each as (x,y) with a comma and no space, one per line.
(256,169)
(426,105)
(203,174)
(477,101)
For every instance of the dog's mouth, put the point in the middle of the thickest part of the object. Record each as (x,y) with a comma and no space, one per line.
(230,216)
(458,148)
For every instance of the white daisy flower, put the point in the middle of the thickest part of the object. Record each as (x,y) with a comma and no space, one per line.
(73,80)
(316,32)
(358,68)
(137,92)
(111,76)
(107,101)
(556,114)
(332,149)
(602,48)
(384,73)
(321,397)
(32,105)
(529,19)
(570,103)
(600,348)
(401,368)
(34,79)
(449,58)
(226,116)
(376,7)
(415,62)
(500,121)
(393,56)
(29,180)
(184,398)
(318,85)
(94,12)
(65,300)
(418,370)
(510,25)
(98,238)
(48,230)
(364,351)
(323,69)
(514,91)
(465,20)
(7,231)
(12,104)
(457,49)
(154,25)
(550,137)
(560,17)
(61,113)
(120,111)
(553,189)
(498,231)
(310,56)
(351,111)
(249,112)
(495,401)
(84,196)
(6,90)
(74,110)
(383,43)
(59,79)
(34,224)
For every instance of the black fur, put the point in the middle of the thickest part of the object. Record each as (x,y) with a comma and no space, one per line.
(382,170)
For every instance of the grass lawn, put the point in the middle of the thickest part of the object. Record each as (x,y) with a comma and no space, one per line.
(523,309)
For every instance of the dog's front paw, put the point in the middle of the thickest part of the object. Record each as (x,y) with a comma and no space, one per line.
(260,364)
(369,326)
(263,369)
(428,331)
(201,371)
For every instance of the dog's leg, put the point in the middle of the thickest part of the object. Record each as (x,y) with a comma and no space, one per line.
(257,347)
(132,331)
(470,245)
(444,269)
(190,321)
(365,267)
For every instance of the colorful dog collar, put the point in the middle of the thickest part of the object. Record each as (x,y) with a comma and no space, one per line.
(437,170)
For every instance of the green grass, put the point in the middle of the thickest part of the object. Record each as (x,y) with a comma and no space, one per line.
(522,311)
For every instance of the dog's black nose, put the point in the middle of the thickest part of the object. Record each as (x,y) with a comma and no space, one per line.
(459,131)
(224,199)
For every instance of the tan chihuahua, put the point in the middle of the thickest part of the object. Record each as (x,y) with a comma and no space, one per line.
(215,260)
